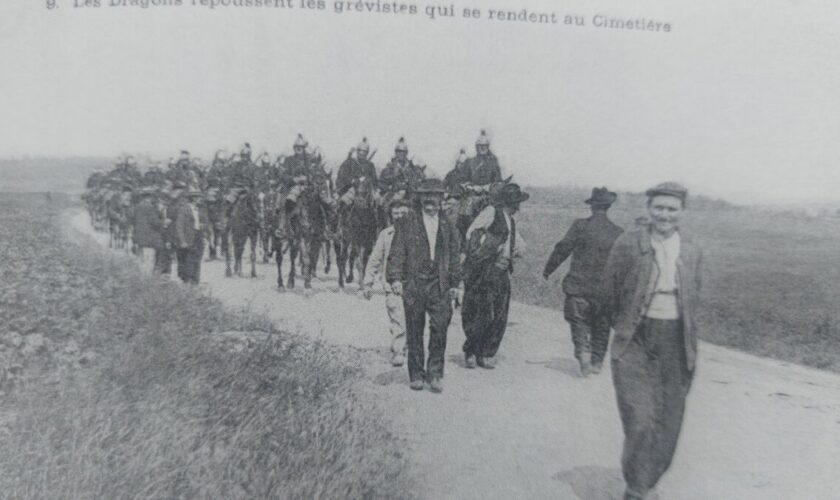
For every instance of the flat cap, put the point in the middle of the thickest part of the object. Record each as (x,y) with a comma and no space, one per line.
(668,189)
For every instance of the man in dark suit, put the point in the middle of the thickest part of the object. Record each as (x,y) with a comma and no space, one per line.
(424,267)
(189,237)
(493,244)
(588,241)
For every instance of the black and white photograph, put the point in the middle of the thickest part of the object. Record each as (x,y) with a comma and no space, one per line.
(419,249)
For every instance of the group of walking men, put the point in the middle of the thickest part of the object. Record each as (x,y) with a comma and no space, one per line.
(643,283)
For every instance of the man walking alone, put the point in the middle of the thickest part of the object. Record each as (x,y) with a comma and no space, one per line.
(651,290)
(588,241)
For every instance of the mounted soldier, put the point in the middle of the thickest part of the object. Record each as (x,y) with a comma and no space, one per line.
(304,170)
(474,177)
(241,172)
(183,171)
(356,167)
(401,173)
(154,177)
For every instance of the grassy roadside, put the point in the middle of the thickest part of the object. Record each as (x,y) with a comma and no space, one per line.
(771,281)
(132,392)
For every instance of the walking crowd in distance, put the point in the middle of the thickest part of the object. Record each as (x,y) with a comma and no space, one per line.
(438,244)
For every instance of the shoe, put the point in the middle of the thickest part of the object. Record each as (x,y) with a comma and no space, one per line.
(436,385)
(416,385)
(486,363)
(585,364)
(469,361)
(597,366)
(398,360)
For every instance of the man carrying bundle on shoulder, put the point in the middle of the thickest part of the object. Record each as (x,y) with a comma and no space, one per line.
(492,244)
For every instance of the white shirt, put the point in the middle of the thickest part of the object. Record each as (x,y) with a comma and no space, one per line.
(430,222)
(196,222)
(485,220)
(663,304)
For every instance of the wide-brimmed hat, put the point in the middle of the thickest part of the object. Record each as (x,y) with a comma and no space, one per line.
(430,186)
(511,194)
(601,196)
(668,189)
(398,202)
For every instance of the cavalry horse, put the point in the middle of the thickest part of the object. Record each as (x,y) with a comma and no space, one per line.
(217,222)
(308,224)
(358,229)
(119,219)
(243,224)
(278,221)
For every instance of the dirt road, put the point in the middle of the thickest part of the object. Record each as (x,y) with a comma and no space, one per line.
(531,428)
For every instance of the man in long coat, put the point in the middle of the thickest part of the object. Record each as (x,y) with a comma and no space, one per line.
(651,290)
(189,237)
(424,267)
(493,242)
(588,242)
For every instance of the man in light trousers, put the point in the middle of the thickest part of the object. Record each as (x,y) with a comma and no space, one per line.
(376,274)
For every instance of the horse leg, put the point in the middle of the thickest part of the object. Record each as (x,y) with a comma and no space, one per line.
(278,258)
(253,239)
(226,251)
(363,261)
(328,264)
(293,251)
(238,249)
(354,252)
(340,261)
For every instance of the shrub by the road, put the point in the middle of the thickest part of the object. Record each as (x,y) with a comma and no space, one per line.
(133,392)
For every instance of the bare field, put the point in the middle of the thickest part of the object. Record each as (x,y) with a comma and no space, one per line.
(119,385)
(772,281)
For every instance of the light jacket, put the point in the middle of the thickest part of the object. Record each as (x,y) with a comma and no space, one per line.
(628,284)
(378,262)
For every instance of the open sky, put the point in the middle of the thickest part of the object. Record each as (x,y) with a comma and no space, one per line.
(740,100)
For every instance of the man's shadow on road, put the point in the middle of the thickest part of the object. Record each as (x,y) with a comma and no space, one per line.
(591,482)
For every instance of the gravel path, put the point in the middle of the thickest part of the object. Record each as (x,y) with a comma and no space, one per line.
(531,428)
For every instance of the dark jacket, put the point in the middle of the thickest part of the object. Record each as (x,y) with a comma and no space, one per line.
(628,284)
(484,170)
(351,170)
(395,176)
(410,250)
(186,235)
(148,225)
(588,241)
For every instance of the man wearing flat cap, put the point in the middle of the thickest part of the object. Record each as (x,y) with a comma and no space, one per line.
(493,243)
(651,291)
(588,242)
(424,267)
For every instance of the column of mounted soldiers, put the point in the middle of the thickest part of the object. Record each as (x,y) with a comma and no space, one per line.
(432,245)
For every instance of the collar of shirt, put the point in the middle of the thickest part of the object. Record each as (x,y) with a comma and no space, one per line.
(430,222)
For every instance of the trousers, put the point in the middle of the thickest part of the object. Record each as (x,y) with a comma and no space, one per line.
(163,260)
(396,322)
(484,313)
(189,261)
(651,382)
(422,296)
(590,328)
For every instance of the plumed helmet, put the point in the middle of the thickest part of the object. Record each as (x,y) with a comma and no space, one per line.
(185,154)
(363,146)
(482,140)
(300,142)
(401,145)
(245,149)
